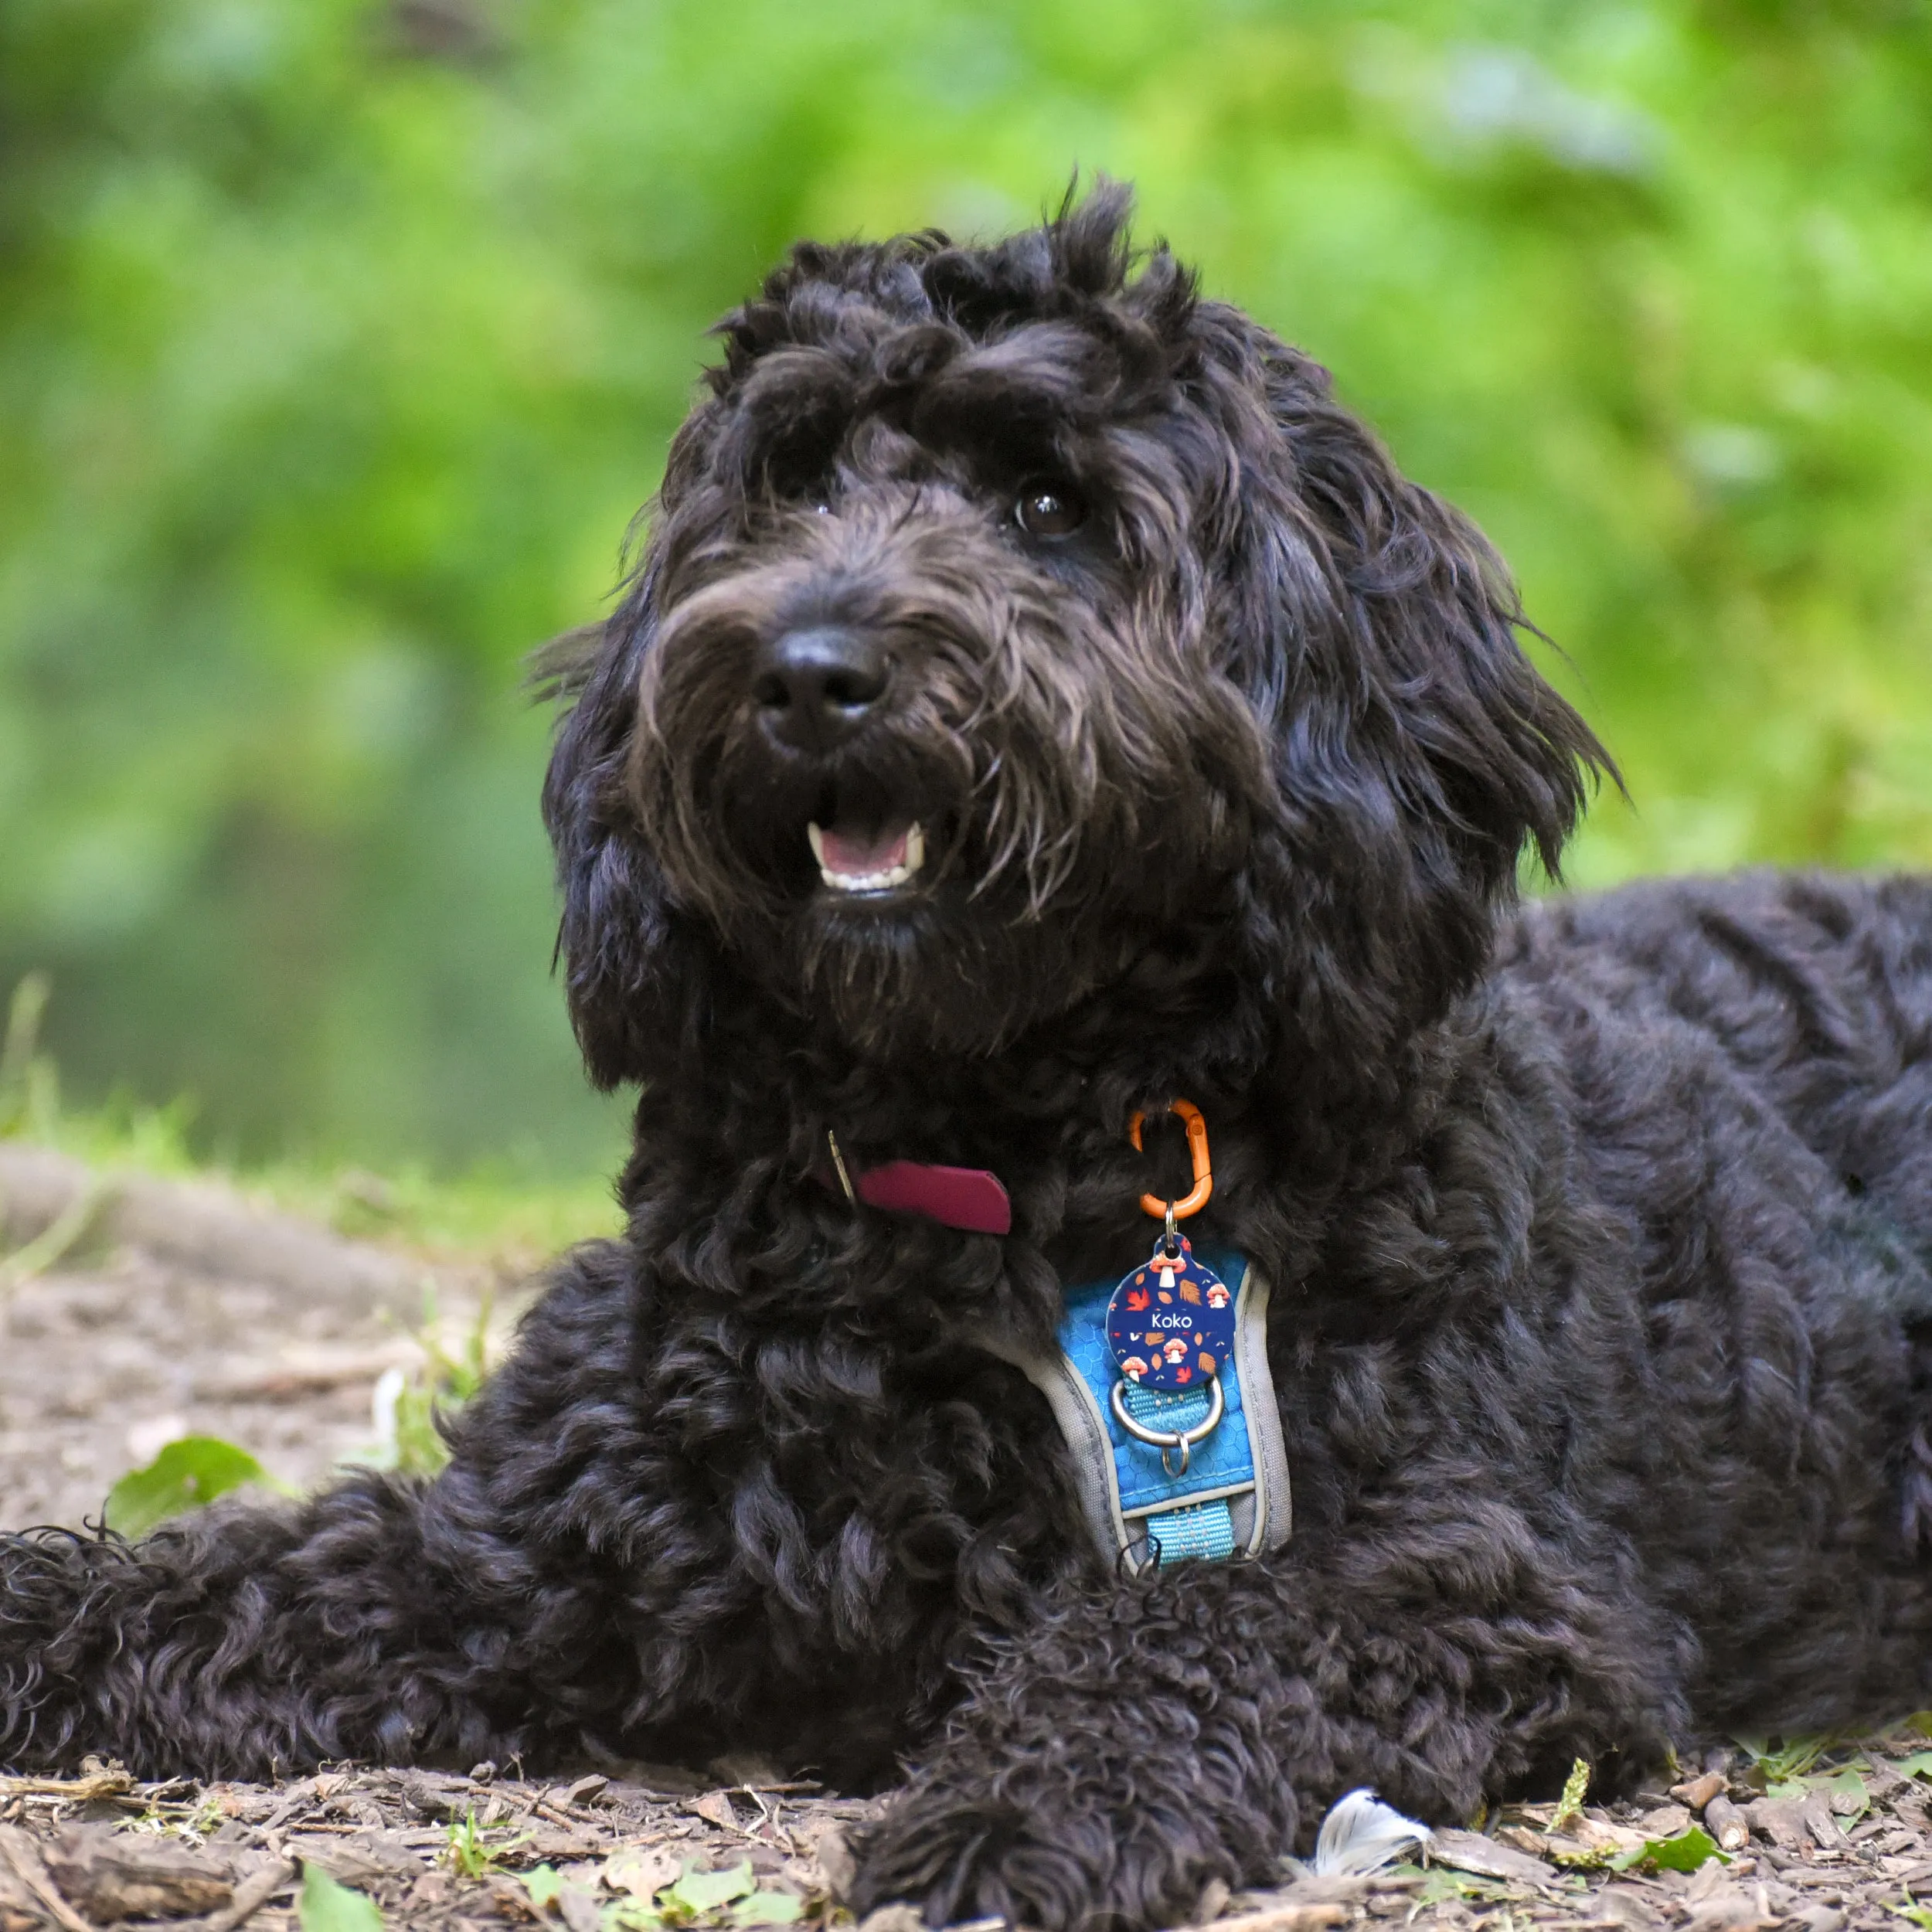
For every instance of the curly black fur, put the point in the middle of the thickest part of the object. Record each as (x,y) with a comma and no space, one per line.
(1601,1232)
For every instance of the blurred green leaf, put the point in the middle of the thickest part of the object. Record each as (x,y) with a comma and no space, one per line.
(326,1906)
(185,1475)
(699,1892)
(769,1908)
(1441,1882)
(1685,1852)
(1842,1785)
(1785,1761)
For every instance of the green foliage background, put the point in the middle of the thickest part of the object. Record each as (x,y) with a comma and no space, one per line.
(340,339)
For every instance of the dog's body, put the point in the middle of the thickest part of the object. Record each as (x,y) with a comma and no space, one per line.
(1600,1235)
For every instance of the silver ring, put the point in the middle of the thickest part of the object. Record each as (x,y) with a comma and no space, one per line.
(1183,1440)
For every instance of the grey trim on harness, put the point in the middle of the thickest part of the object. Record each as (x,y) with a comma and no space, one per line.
(1263,1512)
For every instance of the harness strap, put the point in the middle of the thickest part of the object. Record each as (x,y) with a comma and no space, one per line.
(1232,1500)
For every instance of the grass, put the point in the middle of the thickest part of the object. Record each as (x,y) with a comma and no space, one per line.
(509,1220)
(472,1851)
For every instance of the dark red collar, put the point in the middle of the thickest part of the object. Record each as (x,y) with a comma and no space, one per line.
(971,1198)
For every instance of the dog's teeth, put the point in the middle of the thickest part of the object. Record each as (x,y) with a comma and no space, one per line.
(866,882)
(914,856)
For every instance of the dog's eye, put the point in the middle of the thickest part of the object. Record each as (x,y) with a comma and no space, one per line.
(1048,509)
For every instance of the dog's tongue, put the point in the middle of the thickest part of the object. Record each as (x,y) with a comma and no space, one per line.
(859,854)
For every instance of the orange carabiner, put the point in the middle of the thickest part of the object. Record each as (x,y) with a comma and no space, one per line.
(1197,1148)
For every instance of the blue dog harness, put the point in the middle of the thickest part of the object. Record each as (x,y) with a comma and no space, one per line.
(1164,1400)
(1230,1496)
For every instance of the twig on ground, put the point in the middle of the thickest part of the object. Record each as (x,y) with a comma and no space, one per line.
(1699,1791)
(1726,1824)
(111,1783)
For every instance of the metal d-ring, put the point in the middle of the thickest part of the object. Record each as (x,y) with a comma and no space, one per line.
(1167,1440)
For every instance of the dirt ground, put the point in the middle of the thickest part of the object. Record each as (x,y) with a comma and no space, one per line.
(102,1366)
(175,1308)
(105,1359)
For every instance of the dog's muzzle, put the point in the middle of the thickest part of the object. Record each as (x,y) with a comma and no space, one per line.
(815,689)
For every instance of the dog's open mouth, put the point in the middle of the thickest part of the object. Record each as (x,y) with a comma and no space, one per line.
(867,859)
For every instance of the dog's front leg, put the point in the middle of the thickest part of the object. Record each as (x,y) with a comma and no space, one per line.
(1139,1744)
(253,1642)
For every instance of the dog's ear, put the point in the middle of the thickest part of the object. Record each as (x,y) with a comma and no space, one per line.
(1418,751)
(629,975)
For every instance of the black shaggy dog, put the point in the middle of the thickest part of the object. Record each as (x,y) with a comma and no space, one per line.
(1040,699)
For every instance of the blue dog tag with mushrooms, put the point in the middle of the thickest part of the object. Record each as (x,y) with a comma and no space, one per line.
(1171,1323)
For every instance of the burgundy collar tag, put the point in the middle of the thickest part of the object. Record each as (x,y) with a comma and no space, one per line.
(970,1198)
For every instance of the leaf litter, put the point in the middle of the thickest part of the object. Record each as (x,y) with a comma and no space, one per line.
(355,1849)
(653,1849)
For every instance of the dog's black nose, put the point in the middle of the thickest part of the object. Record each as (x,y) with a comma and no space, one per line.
(814,687)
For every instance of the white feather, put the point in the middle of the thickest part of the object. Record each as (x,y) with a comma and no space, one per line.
(1361,1835)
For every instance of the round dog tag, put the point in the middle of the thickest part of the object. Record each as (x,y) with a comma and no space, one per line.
(1171,1322)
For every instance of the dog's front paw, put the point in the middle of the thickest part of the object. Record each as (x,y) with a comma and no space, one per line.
(1033,1862)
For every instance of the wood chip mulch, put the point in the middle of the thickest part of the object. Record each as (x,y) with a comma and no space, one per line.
(428,1848)
(1848,1846)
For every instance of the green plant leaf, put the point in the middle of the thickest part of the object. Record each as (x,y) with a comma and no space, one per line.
(700,1891)
(1918,1914)
(1443,1882)
(185,1475)
(769,1908)
(1685,1852)
(1918,1765)
(473,1850)
(1788,1760)
(326,1907)
(542,1885)
(1847,1782)
(634,1915)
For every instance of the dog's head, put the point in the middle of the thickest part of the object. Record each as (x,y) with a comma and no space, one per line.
(1014,627)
